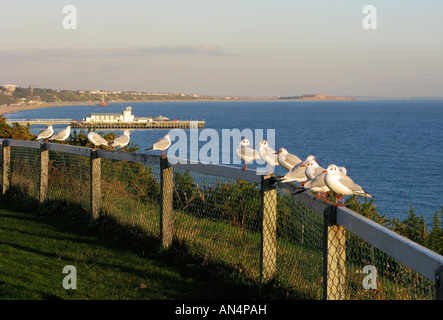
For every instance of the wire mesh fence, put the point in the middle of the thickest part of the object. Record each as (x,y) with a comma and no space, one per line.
(218,218)
(299,250)
(253,228)
(131,194)
(25,171)
(69,179)
(372,274)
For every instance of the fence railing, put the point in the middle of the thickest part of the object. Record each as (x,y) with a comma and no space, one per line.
(304,246)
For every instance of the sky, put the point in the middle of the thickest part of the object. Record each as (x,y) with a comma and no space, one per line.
(225,47)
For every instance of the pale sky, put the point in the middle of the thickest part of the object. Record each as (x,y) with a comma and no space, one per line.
(226,47)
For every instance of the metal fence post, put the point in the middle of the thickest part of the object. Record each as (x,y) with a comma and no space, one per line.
(6,149)
(334,256)
(268,248)
(44,167)
(439,283)
(96,196)
(166,208)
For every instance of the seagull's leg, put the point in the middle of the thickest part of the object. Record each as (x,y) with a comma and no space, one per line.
(246,166)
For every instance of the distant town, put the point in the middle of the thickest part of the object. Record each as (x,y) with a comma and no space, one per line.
(12,95)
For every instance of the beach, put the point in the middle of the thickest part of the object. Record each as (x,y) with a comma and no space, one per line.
(15,108)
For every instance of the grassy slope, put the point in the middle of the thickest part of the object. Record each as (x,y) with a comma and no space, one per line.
(35,248)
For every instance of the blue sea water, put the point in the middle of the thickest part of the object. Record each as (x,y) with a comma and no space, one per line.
(392,148)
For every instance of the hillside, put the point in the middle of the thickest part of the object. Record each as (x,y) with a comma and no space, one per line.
(25,96)
(317,97)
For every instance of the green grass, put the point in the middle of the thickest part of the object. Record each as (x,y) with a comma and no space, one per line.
(34,248)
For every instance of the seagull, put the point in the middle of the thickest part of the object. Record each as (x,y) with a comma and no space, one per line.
(340,183)
(162,144)
(97,140)
(122,140)
(46,134)
(245,153)
(62,135)
(312,169)
(286,159)
(298,172)
(267,154)
(318,184)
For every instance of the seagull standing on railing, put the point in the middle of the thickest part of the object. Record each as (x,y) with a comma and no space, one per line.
(97,140)
(318,184)
(162,144)
(287,160)
(46,134)
(267,154)
(341,184)
(298,173)
(62,135)
(245,153)
(122,140)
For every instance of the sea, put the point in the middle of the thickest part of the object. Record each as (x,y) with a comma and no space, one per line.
(392,148)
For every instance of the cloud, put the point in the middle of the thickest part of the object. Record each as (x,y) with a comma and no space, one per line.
(71,52)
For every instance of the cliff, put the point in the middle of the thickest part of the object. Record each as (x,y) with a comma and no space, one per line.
(317,97)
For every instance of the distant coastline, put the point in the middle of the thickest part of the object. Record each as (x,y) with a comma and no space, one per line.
(316,97)
(18,99)
(14,108)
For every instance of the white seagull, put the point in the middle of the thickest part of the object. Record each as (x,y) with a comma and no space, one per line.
(341,184)
(312,169)
(122,140)
(62,135)
(267,154)
(162,144)
(298,173)
(245,153)
(46,134)
(97,140)
(318,184)
(287,160)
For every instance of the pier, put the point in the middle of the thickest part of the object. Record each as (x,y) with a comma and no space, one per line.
(117,121)
(165,124)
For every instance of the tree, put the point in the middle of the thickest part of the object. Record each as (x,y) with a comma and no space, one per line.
(415,227)
(16,131)
(435,238)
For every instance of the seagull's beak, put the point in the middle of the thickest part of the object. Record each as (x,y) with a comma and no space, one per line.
(325,171)
(303,165)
